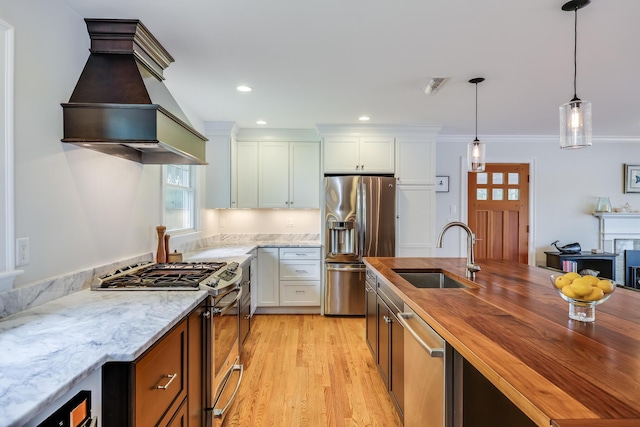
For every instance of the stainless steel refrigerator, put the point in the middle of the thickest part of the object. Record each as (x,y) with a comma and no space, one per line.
(359,221)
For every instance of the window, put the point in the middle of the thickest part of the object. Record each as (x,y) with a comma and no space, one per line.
(179,198)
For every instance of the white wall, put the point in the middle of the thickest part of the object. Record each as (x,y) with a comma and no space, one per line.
(79,208)
(567,184)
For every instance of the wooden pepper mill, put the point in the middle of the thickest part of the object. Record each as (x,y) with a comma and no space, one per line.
(161,253)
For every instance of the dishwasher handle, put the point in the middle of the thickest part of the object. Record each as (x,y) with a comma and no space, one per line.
(347,267)
(433,352)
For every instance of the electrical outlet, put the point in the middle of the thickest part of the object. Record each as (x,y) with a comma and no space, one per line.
(222,223)
(453,209)
(22,251)
(289,222)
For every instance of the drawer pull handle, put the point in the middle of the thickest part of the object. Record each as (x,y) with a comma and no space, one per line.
(301,271)
(166,386)
(300,292)
(302,254)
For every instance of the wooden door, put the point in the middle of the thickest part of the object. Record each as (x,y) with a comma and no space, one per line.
(499,211)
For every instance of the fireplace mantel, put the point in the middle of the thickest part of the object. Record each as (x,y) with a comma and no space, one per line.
(617,225)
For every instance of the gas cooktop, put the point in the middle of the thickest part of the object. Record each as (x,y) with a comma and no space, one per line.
(169,276)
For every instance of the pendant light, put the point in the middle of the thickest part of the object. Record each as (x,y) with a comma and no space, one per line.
(476,150)
(575,115)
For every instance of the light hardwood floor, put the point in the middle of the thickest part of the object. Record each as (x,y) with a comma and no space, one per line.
(310,370)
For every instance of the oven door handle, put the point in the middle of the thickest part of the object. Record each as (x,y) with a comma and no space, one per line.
(228,307)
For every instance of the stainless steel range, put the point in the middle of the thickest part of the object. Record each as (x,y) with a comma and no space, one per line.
(215,277)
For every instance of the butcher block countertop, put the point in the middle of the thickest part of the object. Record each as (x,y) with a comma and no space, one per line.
(515,329)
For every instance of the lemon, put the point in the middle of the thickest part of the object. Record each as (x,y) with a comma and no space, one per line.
(572,275)
(605,285)
(595,295)
(593,280)
(569,292)
(561,282)
(580,287)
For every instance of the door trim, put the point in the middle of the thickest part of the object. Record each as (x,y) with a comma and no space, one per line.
(464,205)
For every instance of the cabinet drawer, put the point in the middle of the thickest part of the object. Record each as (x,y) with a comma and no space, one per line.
(299,270)
(300,253)
(160,378)
(300,293)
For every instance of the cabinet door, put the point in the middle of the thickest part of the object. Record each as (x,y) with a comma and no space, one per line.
(247,174)
(341,155)
(396,374)
(255,281)
(274,175)
(371,314)
(269,282)
(304,159)
(416,220)
(383,341)
(377,155)
(218,172)
(415,162)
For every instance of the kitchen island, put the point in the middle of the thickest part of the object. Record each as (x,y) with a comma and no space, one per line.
(515,330)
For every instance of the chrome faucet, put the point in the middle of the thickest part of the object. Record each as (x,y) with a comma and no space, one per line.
(472,267)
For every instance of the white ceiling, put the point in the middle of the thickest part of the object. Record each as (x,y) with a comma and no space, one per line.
(330,61)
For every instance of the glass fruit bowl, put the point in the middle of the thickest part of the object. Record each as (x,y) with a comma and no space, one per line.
(582,293)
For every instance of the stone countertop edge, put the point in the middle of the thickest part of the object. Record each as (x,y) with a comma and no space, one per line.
(79,333)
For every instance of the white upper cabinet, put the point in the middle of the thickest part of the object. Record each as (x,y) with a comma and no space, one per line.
(359,155)
(415,161)
(304,165)
(289,175)
(274,175)
(246,175)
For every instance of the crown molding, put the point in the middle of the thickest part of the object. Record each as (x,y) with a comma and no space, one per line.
(285,135)
(378,130)
(534,138)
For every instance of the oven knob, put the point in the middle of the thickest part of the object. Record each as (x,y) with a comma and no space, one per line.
(232,266)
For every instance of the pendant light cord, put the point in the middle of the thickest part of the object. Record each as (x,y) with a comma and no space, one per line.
(575,55)
(476,111)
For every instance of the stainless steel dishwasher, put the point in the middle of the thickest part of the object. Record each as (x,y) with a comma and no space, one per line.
(427,374)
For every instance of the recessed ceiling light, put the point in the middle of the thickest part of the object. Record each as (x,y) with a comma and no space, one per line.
(364,118)
(243,88)
(261,122)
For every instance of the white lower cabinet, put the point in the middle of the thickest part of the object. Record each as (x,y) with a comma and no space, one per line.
(289,278)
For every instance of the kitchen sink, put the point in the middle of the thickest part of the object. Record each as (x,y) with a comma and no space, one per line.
(431,279)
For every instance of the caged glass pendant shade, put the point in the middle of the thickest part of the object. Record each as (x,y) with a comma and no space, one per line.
(575,115)
(476,156)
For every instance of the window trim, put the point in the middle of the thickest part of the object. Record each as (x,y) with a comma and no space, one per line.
(7,180)
(196,202)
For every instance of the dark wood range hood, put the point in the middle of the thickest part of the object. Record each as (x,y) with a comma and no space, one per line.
(120,106)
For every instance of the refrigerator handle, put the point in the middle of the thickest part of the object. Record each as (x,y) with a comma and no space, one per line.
(363,219)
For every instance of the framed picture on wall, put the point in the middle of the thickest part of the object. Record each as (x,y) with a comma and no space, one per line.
(442,184)
(631,178)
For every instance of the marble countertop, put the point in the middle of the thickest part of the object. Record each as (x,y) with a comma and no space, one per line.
(50,348)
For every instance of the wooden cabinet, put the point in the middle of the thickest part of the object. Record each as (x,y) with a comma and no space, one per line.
(150,391)
(371,314)
(289,277)
(359,155)
(289,175)
(196,328)
(387,346)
